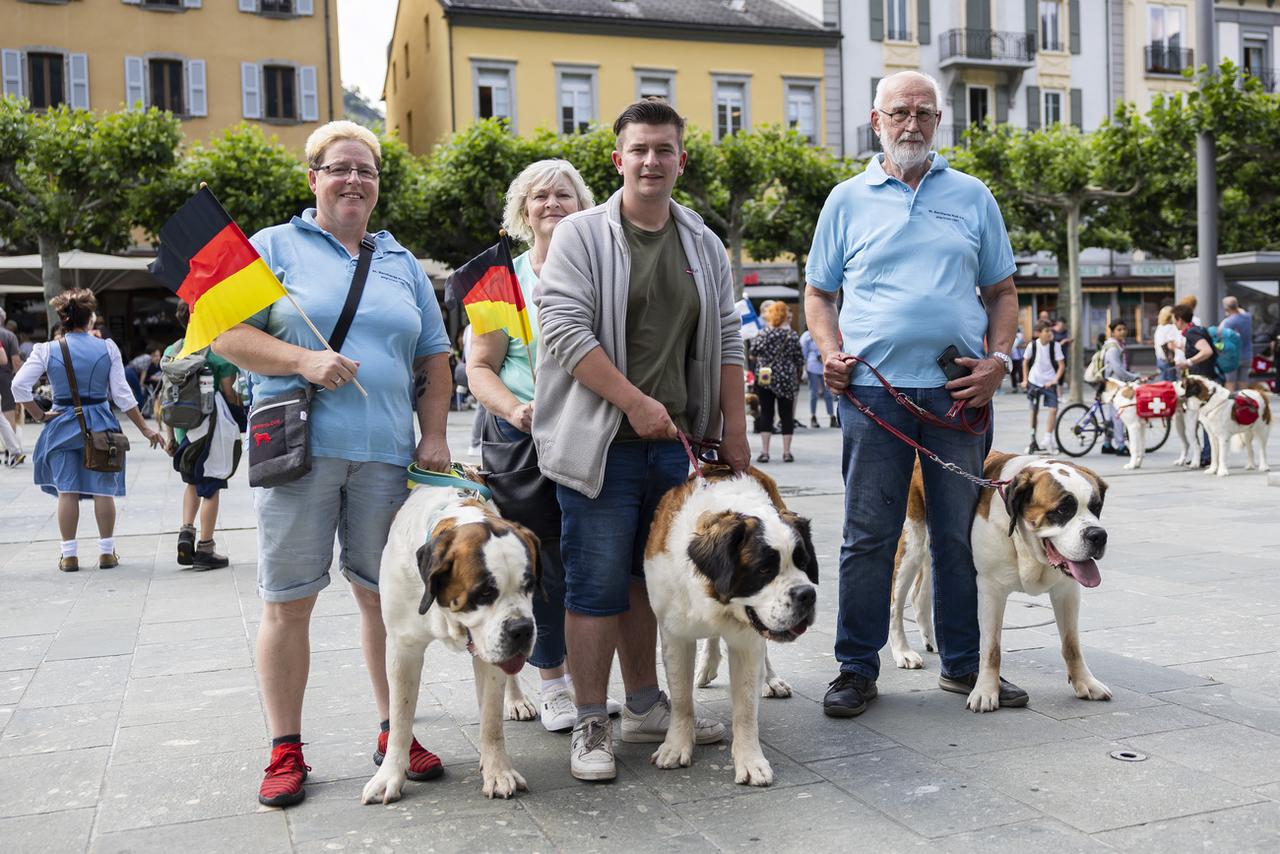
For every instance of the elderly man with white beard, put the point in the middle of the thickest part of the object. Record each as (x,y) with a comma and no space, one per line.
(921,253)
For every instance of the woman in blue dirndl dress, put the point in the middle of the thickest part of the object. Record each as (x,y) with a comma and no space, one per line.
(59,455)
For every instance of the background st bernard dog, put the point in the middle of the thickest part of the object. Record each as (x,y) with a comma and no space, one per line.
(1045,537)
(454,571)
(726,558)
(1214,405)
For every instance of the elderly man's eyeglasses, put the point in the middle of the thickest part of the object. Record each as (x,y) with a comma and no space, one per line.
(342,170)
(923,117)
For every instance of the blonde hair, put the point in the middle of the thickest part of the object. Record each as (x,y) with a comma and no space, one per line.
(776,313)
(1165,315)
(327,134)
(1190,301)
(532,178)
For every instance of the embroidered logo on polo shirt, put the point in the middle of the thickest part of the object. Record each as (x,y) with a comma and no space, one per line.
(946,215)
(384,274)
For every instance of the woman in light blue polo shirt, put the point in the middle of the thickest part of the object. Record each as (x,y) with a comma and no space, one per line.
(500,375)
(398,349)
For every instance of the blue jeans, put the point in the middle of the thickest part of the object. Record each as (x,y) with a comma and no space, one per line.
(877,473)
(602,539)
(818,388)
(1168,371)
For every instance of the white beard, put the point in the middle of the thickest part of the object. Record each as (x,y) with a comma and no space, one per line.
(905,154)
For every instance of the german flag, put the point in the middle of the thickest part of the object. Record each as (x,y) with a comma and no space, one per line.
(488,289)
(206,259)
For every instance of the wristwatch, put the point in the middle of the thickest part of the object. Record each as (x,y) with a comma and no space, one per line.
(1004,360)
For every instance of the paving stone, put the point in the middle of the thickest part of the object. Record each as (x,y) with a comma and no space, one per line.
(24,652)
(1256,672)
(264,832)
(1235,753)
(194,737)
(710,775)
(192,656)
(1203,637)
(94,639)
(814,817)
(1077,782)
(1118,671)
(183,608)
(63,831)
(1251,708)
(1126,724)
(1241,830)
(189,630)
(45,782)
(797,728)
(60,728)
(18,619)
(340,747)
(541,757)
(195,788)
(190,696)
(98,604)
(1039,834)
(13,684)
(86,680)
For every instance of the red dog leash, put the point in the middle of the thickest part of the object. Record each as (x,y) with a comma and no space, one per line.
(698,451)
(955,420)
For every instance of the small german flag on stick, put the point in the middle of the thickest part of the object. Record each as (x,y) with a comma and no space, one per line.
(488,289)
(206,260)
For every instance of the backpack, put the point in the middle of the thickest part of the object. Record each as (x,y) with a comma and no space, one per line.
(1096,371)
(1031,351)
(1226,341)
(186,392)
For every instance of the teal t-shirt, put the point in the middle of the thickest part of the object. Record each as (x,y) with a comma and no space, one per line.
(516,373)
(397,323)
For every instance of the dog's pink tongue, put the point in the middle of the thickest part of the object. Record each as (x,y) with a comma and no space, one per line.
(512,665)
(1085,571)
(798,629)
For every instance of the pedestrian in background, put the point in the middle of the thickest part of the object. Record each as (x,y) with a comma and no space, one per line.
(1167,341)
(59,456)
(779,364)
(1115,366)
(10,361)
(1045,364)
(202,494)
(817,385)
(1241,322)
(1017,353)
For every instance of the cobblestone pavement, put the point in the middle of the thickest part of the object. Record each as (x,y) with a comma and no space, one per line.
(130,718)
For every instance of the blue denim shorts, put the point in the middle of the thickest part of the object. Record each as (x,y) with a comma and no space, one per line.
(602,539)
(297,523)
(1039,395)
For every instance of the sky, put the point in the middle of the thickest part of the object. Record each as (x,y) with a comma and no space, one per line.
(364,28)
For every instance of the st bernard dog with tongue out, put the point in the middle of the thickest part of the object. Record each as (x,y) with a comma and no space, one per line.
(454,571)
(1043,537)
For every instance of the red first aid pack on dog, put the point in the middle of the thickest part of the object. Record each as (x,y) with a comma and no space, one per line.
(1244,410)
(1156,400)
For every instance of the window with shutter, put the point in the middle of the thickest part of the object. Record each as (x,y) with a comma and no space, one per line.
(802,110)
(248,5)
(44,80)
(78,72)
(731,107)
(11,65)
(656,84)
(197,92)
(279,84)
(135,82)
(308,97)
(250,91)
(493,93)
(167,87)
(305,7)
(575,102)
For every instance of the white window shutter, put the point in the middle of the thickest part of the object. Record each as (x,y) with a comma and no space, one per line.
(135,82)
(248,5)
(308,99)
(191,4)
(133,2)
(78,68)
(12,65)
(250,90)
(304,7)
(197,92)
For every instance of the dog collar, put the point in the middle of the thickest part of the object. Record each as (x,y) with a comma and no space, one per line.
(452,480)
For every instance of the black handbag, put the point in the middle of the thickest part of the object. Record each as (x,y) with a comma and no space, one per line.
(520,489)
(104,450)
(280,426)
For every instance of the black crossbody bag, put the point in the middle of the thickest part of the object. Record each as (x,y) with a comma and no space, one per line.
(280,427)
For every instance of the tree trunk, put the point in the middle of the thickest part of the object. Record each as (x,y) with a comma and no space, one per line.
(801,323)
(1075,359)
(735,256)
(50,273)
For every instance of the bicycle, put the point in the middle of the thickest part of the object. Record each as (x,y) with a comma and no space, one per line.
(1079,426)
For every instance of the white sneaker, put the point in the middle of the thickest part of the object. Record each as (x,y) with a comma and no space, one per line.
(558,710)
(612,706)
(1049,444)
(651,727)
(591,750)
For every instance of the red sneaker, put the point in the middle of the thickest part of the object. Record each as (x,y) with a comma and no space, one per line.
(423,764)
(282,785)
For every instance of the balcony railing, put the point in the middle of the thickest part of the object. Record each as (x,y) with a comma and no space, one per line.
(990,45)
(945,136)
(1270,77)
(1163,59)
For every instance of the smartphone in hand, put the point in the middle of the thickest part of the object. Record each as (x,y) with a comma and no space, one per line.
(947,361)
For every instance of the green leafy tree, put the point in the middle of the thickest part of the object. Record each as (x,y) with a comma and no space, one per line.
(69,177)
(403,204)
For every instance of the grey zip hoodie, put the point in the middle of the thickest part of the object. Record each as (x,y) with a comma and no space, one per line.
(582,304)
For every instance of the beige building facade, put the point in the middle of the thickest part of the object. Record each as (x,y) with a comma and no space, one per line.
(213,63)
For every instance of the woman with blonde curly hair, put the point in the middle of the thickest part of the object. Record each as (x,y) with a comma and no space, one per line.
(779,363)
(59,456)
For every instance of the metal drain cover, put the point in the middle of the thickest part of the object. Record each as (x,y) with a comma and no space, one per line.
(1128,755)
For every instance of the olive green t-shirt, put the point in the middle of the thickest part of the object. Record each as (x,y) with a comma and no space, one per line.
(662,316)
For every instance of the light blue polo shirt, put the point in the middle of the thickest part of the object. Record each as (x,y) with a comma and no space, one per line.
(398,322)
(909,262)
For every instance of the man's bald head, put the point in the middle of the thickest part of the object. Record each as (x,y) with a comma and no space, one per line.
(903,82)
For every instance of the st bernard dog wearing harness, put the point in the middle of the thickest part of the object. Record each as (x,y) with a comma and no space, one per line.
(454,571)
(1227,414)
(726,559)
(1044,537)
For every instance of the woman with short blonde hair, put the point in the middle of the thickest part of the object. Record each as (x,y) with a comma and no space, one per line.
(534,178)
(1167,340)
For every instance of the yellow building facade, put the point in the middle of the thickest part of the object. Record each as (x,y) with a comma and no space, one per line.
(214,63)
(452,62)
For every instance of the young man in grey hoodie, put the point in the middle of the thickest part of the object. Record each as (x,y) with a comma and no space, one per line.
(639,339)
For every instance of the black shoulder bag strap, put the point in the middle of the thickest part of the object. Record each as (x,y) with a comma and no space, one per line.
(353,295)
(75,391)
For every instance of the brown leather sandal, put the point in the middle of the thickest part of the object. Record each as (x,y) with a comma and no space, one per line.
(69,564)
(110,561)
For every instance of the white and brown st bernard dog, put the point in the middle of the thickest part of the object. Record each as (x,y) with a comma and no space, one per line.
(724,560)
(1214,405)
(1045,537)
(454,571)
